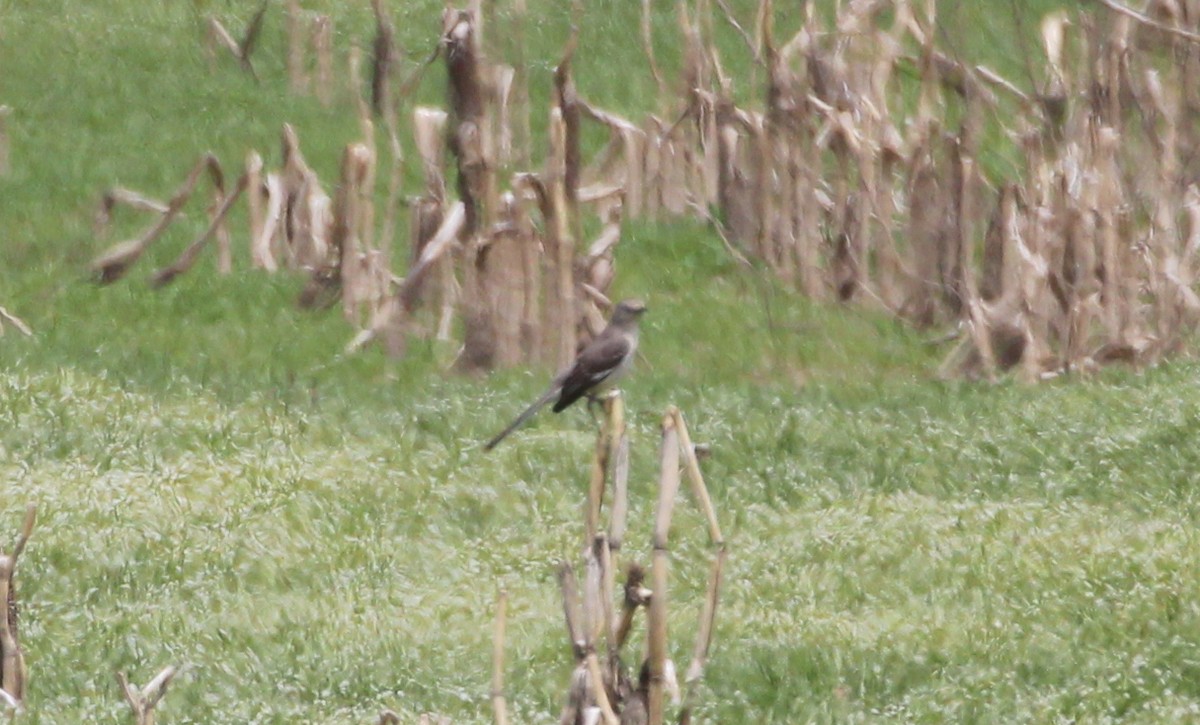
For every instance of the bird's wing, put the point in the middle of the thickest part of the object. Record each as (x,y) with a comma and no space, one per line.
(598,360)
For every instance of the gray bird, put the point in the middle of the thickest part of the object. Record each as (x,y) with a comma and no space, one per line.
(596,369)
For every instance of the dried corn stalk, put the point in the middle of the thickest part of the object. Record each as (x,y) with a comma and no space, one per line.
(114,263)
(142,702)
(13,676)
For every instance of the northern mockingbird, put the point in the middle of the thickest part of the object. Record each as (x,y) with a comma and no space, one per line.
(596,369)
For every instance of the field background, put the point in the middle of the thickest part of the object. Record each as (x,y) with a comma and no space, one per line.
(313,538)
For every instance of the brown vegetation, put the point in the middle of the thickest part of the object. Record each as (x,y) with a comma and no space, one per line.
(846,190)
(597,629)
(13,676)
(142,702)
(1086,256)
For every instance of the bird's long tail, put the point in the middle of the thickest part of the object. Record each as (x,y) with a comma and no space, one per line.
(520,420)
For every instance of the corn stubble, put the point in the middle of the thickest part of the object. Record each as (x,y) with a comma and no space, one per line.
(600,620)
(1083,256)
(143,701)
(13,675)
(505,263)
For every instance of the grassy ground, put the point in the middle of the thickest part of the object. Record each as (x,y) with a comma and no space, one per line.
(314,538)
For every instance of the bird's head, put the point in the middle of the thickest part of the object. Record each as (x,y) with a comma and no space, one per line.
(628,311)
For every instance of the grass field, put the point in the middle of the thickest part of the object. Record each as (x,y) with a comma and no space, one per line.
(313,538)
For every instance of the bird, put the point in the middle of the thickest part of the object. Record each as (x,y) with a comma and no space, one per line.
(596,369)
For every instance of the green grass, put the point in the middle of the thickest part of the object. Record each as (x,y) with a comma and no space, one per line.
(313,538)
(943,554)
